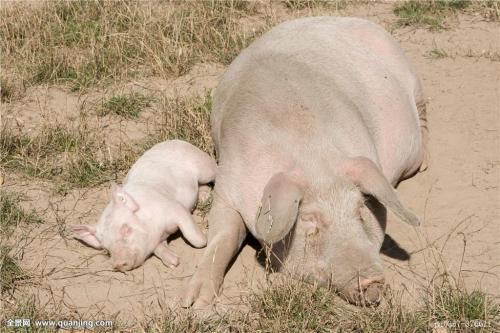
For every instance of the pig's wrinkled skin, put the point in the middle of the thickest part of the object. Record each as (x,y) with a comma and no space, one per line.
(157,197)
(314,123)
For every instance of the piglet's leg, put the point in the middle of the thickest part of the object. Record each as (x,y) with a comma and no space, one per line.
(167,256)
(188,227)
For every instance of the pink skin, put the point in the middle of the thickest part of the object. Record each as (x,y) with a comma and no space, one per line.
(157,198)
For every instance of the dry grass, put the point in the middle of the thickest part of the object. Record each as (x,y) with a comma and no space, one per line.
(71,158)
(287,305)
(433,14)
(10,271)
(127,105)
(84,43)
(68,157)
(13,215)
(185,119)
(428,13)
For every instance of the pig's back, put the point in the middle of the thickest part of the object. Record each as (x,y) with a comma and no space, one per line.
(341,85)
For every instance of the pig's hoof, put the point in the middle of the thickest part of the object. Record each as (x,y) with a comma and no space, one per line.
(200,291)
(167,256)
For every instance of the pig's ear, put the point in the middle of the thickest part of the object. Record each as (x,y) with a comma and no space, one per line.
(365,174)
(279,208)
(86,234)
(120,197)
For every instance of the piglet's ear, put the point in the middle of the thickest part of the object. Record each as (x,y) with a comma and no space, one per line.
(86,234)
(120,197)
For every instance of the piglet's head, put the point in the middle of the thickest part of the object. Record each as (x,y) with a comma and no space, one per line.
(119,231)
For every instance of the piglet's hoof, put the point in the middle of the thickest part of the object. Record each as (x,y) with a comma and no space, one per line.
(167,256)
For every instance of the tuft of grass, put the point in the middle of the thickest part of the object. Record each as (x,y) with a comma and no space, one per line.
(185,119)
(490,9)
(450,301)
(10,271)
(32,154)
(12,214)
(85,43)
(128,106)
(436,53)
(6,90)
(292,306)
(178,321)
(427,13)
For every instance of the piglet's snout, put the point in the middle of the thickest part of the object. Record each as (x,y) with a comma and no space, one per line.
(122,266)
(123,262)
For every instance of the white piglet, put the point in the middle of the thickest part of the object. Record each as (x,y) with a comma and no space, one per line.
(156,199)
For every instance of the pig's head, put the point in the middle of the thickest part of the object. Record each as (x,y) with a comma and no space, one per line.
(119,231)
(327,232)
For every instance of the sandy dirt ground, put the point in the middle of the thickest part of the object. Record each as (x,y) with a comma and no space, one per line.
(457,197)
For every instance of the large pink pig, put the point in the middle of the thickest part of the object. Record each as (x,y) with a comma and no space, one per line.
(314,123)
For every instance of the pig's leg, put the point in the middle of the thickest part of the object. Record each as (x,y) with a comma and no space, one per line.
(167,256)
(226,233)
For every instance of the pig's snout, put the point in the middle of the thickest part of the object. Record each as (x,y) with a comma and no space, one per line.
(368,291)
(122,266)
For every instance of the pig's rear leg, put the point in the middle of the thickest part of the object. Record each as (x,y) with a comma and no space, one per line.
(422,115)
(166,255)
(226,233)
